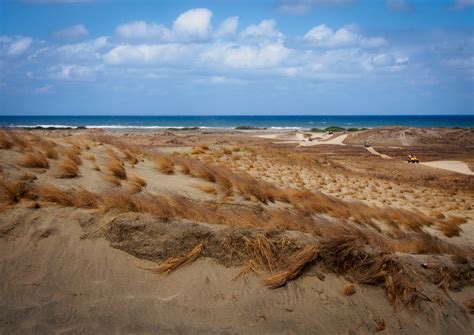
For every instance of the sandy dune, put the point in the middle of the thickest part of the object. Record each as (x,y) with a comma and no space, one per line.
(455,166)
(375,152)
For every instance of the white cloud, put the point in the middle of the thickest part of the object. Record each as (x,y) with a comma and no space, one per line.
(218,80)
(19,46)
(236,56)
(73,32)
(43,89)
(146,54)
(143,30)
(323,36)
(265,29)
(227,27)
(72,72)
(85,50)
(193,23)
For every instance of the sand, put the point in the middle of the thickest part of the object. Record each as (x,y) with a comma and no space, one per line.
(66,269)
(455,166)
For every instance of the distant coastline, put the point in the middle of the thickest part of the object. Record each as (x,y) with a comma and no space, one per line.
(279,122)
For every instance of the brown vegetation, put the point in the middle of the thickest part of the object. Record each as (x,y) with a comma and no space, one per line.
(164,164)
(12,191)
(34,160)
(297,263)
(173,263)
(67,169)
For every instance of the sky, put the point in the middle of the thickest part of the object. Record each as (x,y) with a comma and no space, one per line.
(220,57)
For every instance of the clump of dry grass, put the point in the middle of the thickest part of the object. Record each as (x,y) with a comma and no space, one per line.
(67,169)
(173,263)
(346,252)
(297,263)
(34,160)
(206,188)
(469,304)
(73,154)
(164,164)
(5,141)
(75,197)
(51,152)
(136,183)
(349,289)
(12,190)
(115,167)
(112,179)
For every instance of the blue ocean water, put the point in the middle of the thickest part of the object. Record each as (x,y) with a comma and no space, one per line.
(261,121)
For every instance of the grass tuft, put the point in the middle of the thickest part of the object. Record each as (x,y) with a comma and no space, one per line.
(297,263)
(173,263)
(34,160)
(67,169)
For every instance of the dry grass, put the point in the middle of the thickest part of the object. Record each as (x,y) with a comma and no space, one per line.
(349,289)
(34,160)
(112,179)
(116,168)
(67,169)
(73,154)
(173,263)
(75,197)
(11,191)
(5,141)
(297,263)
(469,304)
(136,183)
(164,165)
(206,188)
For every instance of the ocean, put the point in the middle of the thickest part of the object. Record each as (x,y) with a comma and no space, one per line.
(260,121)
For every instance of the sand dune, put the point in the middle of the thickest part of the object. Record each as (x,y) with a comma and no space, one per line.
(455,166)
(88,221)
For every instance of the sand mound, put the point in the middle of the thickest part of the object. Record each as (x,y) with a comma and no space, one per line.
(455,166)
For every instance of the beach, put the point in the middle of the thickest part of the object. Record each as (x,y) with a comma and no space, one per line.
(227,231)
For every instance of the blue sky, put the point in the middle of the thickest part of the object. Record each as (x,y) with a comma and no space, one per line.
(73,57)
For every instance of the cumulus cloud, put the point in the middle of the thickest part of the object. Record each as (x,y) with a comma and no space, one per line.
(72,72)
(227,27)
(143,30)
(265,29)
(193,23)
(323,36)
(73,32)
(246,56)
(147,54)
(85,50)
(19,46)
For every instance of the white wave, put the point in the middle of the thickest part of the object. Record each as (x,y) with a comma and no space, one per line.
(286,128)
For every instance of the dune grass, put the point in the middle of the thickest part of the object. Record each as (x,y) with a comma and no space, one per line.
(34,160)
(67,169)
(297,263)
(173,263)
(116,167)
(164,164)
(11,191)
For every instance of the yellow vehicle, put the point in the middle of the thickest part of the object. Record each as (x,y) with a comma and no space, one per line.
(412,159)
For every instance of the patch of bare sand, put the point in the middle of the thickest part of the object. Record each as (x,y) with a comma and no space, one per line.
(375,152)
(455,166)
(55,280)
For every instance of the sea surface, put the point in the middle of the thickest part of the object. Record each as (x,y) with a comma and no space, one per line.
(272,122)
